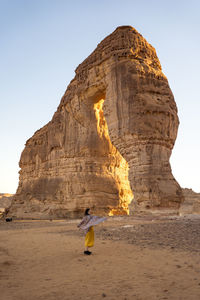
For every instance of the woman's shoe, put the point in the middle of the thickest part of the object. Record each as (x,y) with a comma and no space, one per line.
(87,252)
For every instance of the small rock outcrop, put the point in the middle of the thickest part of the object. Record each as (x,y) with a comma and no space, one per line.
(108,144)
(191,204)
(5,202)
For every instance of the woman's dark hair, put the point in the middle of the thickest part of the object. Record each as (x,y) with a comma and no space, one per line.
(87,212)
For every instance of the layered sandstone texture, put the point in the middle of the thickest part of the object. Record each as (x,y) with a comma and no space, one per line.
(108,144)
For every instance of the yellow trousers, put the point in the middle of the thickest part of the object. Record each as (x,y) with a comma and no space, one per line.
(89,238)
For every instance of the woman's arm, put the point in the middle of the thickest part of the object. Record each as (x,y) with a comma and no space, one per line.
(81,223)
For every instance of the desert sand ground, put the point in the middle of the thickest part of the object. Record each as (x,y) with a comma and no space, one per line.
(133,258)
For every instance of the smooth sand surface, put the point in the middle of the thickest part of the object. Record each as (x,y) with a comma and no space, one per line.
(133,258)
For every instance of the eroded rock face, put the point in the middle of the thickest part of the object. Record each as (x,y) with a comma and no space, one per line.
(111,137)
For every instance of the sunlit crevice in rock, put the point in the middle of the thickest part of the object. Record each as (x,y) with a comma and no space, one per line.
(118,165)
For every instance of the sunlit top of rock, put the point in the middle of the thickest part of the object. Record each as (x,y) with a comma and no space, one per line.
(125,41)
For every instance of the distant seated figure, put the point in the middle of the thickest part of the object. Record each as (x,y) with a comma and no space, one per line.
(87,224)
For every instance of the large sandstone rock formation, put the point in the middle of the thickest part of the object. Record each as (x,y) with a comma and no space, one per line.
(110,138)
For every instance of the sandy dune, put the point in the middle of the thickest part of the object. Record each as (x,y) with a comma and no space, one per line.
(133,258)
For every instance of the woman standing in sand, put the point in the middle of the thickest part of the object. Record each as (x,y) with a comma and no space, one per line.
(87,225)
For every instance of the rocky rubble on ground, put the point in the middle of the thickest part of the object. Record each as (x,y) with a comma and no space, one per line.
(176,233)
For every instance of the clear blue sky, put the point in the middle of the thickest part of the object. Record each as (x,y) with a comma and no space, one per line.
(43,41)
